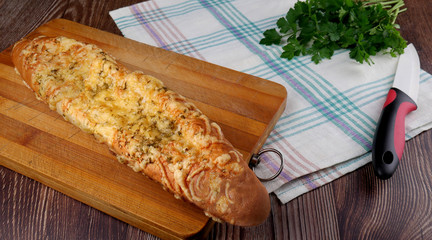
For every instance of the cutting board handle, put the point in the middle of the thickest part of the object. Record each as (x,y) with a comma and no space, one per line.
(256,159)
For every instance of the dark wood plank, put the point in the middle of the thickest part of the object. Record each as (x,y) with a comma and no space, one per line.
(95,13)
(21,17)
(317,215)
(416,28)
(399,208)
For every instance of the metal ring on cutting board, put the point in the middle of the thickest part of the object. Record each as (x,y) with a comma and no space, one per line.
(256,159)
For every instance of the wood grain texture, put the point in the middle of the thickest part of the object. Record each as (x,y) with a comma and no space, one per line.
(356,206)
(415,27)
(21,17)
(403,212)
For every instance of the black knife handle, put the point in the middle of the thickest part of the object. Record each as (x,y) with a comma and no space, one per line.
(389,139)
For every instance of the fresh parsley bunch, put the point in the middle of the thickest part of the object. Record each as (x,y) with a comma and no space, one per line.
(319,27)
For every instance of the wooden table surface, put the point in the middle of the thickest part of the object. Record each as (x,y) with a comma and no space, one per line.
(356,206)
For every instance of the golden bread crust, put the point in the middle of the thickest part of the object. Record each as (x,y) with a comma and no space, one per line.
(152,129)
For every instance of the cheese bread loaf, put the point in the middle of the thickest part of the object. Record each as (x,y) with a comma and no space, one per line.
(153,130)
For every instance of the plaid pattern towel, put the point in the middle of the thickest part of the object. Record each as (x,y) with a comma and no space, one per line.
(327,128)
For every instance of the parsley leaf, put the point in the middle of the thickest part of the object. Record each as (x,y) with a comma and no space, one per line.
(271,36)
(320,27)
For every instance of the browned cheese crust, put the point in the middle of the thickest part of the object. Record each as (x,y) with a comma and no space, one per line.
(152,129)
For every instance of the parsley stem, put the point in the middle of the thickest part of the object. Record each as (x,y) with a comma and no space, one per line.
(393,6)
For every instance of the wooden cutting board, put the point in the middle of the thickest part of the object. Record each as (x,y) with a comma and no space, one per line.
(38,143)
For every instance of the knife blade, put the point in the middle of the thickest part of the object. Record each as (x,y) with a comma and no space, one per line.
(389,138)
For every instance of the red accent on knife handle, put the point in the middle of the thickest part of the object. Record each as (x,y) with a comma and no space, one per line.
(391,95)
(389,140)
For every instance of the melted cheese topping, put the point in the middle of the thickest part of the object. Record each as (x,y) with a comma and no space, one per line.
(141,120)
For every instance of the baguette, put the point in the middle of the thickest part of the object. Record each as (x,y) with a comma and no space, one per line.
(153,130)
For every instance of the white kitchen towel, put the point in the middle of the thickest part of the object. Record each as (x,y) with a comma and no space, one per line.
(332,109)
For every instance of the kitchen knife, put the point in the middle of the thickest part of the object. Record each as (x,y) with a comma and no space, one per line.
(389,139)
